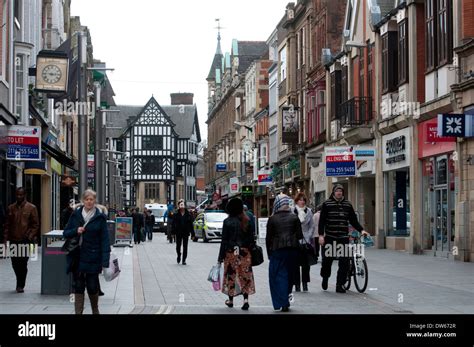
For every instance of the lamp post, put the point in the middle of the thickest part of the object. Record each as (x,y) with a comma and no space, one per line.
(82,120)
(100,123)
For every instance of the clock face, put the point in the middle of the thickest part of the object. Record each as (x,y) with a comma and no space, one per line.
(51,74)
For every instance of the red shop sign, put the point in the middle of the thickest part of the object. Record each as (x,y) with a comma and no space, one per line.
(432,134)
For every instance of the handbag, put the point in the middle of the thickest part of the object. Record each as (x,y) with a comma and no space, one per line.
(256,253)
(142,235)
(113,270)
(308,253)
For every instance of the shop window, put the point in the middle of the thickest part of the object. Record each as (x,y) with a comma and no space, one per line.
(398,198)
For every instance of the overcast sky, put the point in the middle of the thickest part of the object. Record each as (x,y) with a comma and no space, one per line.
(160,47)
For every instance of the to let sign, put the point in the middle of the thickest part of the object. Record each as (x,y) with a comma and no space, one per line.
(340,162)
(24,143)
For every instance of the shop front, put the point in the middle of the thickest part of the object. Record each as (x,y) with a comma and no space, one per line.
(396,149)
(439,189)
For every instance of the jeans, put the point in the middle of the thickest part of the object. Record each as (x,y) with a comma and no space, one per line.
(149,232)
(184,240)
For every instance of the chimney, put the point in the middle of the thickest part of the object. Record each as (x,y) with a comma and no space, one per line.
(182,98)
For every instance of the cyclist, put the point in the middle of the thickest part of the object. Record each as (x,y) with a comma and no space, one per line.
(336,214)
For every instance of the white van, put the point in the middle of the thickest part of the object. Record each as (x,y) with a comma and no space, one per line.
(158,210)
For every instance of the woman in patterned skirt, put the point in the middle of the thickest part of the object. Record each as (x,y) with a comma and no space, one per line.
(237,239)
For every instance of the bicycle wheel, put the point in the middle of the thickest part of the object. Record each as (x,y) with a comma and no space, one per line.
(361,274)
(347,285)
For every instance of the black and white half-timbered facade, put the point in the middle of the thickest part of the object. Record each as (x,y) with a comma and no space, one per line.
(161,146)
(150,168)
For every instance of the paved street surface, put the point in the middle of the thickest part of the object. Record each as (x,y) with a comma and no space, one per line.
(152,282)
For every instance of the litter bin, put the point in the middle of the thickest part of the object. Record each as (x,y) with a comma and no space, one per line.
(54,279)
(111,228)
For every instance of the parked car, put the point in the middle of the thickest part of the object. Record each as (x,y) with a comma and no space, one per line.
(158,210)
(208,225)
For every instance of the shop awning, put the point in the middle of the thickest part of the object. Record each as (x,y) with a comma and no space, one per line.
(58,154)
(36,167)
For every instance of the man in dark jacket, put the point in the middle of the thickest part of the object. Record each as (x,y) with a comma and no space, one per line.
(149,224)
(138,225)
(336,214)
(182,228)
(22,227)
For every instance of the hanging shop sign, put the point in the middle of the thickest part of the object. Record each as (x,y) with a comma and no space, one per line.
(290,125)
(456,125)
(221,167)
(265,177)
(247,190)
(234,185)
(23,143)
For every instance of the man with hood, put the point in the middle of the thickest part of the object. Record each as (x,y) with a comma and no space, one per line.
(336,215)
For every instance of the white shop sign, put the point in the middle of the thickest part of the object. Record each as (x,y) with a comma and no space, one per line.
(396,150)
(318,178)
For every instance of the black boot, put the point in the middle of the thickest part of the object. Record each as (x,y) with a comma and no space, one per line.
(305,287)
(178,259)
(297,288)
(324,283)
(339,289)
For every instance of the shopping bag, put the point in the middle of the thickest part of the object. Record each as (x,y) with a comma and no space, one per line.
(216,278)
(214,274)
(113,270)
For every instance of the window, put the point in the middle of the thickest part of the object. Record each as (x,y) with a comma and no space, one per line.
(17,13)
(283,64)
(298,50)
(444,27)
(335,93)
(152,191)
(430,34)
(303,46)
(152,166)
(152,143)
(344,85)
(361,72)
(439,33)
(370,49)
(403,52)
(389,62)
(20,84)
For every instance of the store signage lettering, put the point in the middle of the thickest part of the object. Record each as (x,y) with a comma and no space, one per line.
(395,148)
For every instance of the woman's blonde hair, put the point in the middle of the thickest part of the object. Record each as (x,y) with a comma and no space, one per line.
(89,192)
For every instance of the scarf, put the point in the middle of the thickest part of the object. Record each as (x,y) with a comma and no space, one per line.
(282,203)
(302,212)
(88,215)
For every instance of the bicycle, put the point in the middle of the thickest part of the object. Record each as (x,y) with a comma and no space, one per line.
(358,265)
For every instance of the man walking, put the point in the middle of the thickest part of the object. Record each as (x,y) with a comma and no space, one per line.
(21,228)
(182,228)
(149,224)
(138,224)
(336,214)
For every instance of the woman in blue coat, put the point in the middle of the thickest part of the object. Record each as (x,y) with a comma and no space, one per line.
(89,223)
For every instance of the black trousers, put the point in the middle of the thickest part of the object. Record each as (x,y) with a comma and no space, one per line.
(328,257)
(184,240)
(302,269)
(20,267)
(83,281)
